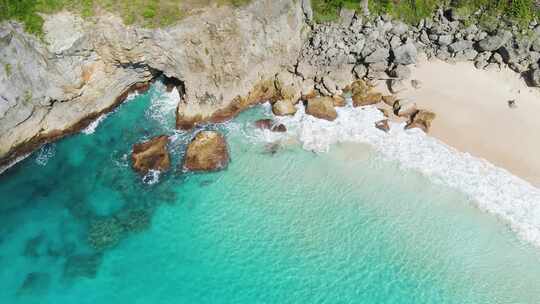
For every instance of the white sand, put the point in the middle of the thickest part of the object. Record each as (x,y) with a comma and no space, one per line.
(473,113)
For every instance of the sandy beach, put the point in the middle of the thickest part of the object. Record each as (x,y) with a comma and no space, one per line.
(473,114)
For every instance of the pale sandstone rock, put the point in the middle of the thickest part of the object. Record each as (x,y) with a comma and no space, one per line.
(283,108)
(321,107)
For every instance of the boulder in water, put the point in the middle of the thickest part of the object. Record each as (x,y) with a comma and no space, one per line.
(322,107)
(269,124)
(283,108)
(207,152)
(383,125)
(360,100)
(151,155)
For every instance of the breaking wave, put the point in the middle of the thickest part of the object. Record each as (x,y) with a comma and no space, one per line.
(492,189)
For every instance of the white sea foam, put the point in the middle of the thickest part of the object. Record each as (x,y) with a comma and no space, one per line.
(163,106)
(45,153)
(152,177)
(492,189)
(93,125)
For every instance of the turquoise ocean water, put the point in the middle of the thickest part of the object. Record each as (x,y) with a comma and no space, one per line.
(279,225)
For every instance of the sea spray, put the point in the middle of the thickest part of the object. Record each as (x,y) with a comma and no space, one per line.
(492,189)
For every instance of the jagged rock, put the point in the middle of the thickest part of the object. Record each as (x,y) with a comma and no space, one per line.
(443,54)
(535,77)
(151,155)
(379,55)
(362,99)
(460,46)
(269,124)
(445,39)
(288,86)
(105,233)
(468,54)
(422,120)
(493,43)
(401,72)
(359,87)
(206,152)
(405,54)
(88,65)
(283,108)
(321,107)
(339,101)
(383,125)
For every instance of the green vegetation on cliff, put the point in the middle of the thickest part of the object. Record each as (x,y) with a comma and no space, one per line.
(412,11)
(150,13)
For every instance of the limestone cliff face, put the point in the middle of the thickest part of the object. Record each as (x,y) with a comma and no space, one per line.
(82,69)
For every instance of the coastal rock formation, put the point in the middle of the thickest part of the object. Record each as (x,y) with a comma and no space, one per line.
(421,119)
(269,124)
(339,101)
(360,100)
(383,125)
(206,152)
(151,155)
(321,107)
(283,108)
(224,58)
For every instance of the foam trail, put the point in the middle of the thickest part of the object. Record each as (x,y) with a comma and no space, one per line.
(492,189)
(163,105)
(93,125)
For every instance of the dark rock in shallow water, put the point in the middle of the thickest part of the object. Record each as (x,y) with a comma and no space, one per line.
(207,152)
(82,266)
(269,124)
(151,155)
(383,125)
(105,233)
(33,245)
(135,220)
(272,148)
(35,282)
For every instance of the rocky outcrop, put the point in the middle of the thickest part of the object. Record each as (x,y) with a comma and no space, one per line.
(368,99)
(383,125)
(224,58)
(283,108)
(421,119)
(244,47)
(151,155)
(207,152)
(269,124)
(321,107)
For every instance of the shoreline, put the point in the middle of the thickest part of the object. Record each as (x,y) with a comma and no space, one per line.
(490,188)
(473,115)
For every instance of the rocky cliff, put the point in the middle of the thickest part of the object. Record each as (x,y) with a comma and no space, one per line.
(82,68)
